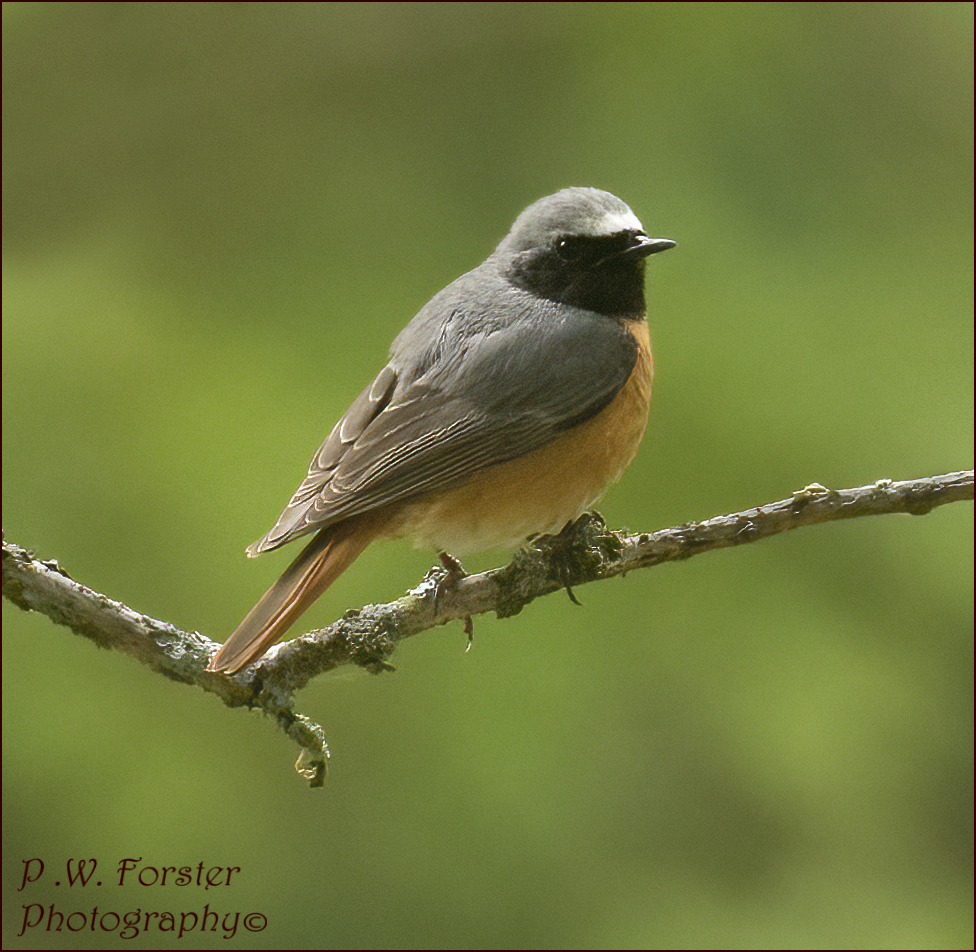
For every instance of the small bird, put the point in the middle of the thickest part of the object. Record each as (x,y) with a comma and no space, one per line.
(510,403)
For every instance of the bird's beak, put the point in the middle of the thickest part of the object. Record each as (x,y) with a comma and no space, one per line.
(639,246)
(643,246)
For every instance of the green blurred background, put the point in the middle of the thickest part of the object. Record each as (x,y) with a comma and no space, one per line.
(216,219)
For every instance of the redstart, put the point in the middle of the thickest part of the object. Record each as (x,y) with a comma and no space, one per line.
(514,398)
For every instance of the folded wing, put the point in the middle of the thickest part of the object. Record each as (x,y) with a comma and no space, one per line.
(446,407)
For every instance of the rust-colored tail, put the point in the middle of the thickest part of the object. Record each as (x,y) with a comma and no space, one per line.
(318,565)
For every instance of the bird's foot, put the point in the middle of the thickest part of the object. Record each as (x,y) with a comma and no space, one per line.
(563,558)
(455,572)
(563,550)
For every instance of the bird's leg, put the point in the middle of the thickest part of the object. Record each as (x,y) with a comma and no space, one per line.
(455,572)
(562,552)
(562,556)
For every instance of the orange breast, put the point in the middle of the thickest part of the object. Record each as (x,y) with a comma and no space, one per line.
(539,493)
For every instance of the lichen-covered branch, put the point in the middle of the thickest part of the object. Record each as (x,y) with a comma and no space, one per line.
(586,552)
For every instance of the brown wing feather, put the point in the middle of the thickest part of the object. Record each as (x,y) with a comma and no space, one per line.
(499,397)
(294,521)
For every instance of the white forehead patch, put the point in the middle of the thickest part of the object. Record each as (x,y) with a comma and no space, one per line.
(584,212)
(613,223)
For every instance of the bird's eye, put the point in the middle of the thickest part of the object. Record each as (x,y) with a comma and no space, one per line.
(569,249)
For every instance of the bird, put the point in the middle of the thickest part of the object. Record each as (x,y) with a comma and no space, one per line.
(514,398)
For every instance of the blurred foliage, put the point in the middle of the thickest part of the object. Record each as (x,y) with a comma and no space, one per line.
(217,217)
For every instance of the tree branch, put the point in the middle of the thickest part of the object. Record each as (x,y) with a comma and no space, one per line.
(368,636)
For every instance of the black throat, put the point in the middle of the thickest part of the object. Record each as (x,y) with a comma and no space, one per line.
(603,275)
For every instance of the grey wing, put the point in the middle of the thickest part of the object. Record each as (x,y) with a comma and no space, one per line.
(436,414)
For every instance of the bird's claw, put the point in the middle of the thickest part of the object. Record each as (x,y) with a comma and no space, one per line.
(454,573)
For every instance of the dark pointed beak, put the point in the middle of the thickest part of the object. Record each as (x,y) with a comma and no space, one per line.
(643,246)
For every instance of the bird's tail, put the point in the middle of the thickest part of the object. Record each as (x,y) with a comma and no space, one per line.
(319,564)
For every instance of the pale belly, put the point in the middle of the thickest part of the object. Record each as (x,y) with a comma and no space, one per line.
(539,493)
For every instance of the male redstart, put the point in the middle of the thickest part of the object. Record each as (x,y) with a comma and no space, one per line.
(514,398)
